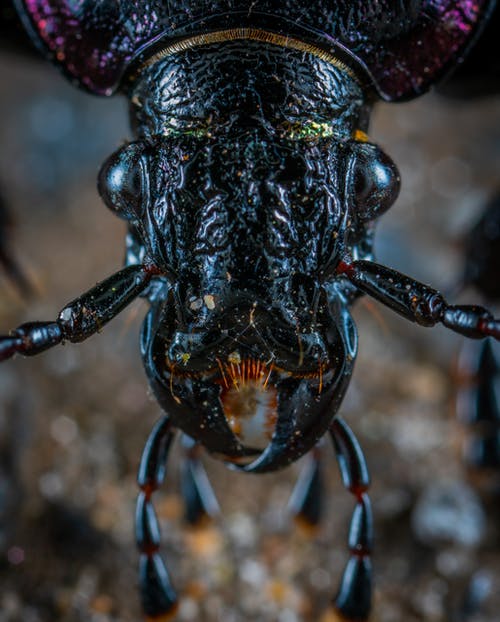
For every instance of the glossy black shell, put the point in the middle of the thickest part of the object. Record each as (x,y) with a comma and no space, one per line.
(400,46)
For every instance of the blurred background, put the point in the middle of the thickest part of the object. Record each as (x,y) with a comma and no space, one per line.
(73,421)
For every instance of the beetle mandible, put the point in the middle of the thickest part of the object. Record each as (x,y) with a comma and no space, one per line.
(250,192)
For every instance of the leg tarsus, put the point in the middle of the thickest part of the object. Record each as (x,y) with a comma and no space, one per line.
(471,321)
(361,529)
(353,600)
(152,467)
(350,457)
(158,597)
(199,498)
(159,600)
(15,274)
(30,339)
(478,404)
(7,261)
(306,501)
(354,597)
(477,592)
(147,529)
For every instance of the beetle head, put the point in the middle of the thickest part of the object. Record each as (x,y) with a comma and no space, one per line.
(248,355)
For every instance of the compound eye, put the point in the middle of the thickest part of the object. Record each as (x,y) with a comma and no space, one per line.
(373,183)
(123,181)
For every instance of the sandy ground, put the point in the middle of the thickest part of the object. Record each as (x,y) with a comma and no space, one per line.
(73,421)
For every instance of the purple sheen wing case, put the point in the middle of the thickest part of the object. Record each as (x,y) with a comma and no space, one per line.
(405,47)
(92,41)
(411,63)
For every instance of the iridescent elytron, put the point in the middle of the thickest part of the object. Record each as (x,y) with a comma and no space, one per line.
(251,191)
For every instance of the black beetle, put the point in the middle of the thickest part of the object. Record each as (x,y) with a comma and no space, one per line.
(250,195)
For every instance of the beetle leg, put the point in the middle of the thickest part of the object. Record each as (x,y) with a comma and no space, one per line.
(478,404)
(418,302)
(306,501)
(159,600)
(477,591)
(82,317)
(353,600)
(7,261)
(199,498)
(14,271)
